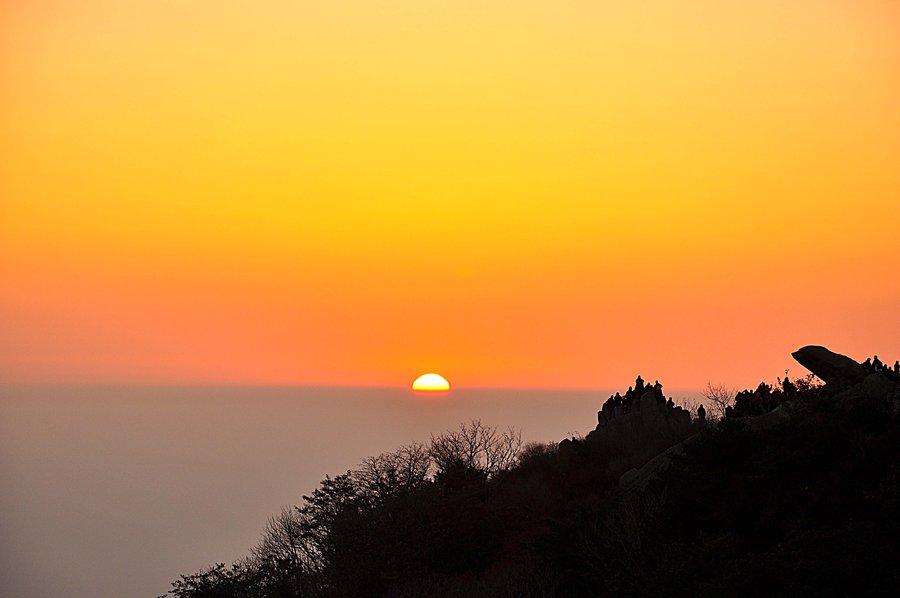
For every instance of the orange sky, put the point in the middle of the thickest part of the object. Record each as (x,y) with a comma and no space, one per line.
(551,194)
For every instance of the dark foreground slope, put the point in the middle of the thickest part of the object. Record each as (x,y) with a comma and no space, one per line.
(797,492)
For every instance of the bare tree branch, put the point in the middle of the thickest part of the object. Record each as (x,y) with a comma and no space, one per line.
(719,397)
(477,447)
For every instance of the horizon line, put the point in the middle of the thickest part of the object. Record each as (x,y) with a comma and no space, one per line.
(283,386)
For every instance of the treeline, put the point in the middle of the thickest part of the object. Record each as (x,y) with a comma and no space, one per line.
(810,507)
(394,519)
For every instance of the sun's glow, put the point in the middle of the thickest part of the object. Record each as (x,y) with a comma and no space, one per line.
(278,168)
(431,383)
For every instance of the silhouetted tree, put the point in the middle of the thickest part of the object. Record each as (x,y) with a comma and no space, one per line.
(402,470)
(332,500)
(218,581)
(720,398)
(287,555)
(476,447)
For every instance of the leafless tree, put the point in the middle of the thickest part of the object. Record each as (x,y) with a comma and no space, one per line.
(404,469)
(719,397)
(478,447)
(285,540)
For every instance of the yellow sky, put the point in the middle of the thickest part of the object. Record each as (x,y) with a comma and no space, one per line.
(509,193)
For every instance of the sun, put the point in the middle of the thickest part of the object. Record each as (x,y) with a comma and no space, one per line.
(431,383)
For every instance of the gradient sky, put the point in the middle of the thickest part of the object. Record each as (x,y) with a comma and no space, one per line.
(534,193)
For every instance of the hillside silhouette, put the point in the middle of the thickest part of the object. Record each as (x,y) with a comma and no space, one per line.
(791,488)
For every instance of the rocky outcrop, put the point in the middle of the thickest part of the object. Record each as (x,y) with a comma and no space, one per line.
(832,368)
(648,414)
(850,384)
(634,428)
(869,383)
(875,389)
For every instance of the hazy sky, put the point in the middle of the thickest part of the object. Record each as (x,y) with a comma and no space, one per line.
(526,193)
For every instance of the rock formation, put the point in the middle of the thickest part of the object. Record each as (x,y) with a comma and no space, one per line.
(649,412)
(832,368)
(871,381)
(638,426)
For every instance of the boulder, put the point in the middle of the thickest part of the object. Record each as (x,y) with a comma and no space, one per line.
(878,388)
(833,368)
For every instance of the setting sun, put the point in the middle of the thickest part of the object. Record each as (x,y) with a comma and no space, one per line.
(431,383)
(242,226)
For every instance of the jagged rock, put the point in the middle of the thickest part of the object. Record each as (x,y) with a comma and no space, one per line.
(878,388)
(831,367)
(647,416)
